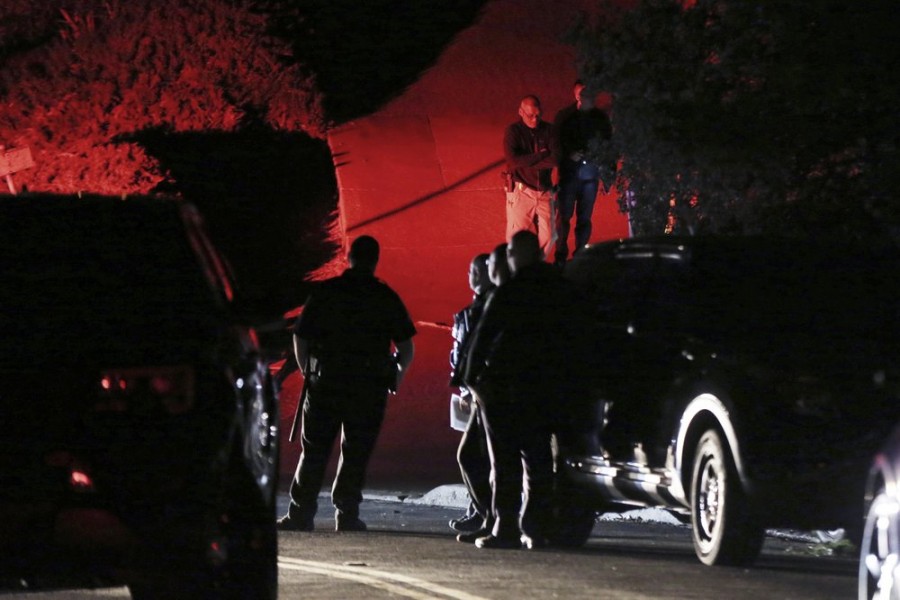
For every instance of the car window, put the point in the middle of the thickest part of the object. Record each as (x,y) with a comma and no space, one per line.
(214,265)
(79,275)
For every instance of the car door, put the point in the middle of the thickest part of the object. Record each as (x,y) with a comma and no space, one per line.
(637,302)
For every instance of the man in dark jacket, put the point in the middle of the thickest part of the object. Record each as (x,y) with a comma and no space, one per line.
(518,368)
(532,151)
(342,342)
(472,455)
(580,127)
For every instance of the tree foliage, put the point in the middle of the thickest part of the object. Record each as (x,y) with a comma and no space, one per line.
(81,78)
(752,116)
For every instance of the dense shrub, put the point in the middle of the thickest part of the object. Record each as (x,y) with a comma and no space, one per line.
(81,79)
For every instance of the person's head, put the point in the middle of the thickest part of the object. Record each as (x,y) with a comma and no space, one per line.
(363,253)
(584,97)
(479,280)
(530,111)
(524,250)
(577,89)
(498,268)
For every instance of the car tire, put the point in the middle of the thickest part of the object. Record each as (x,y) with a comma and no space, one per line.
(879,549)
(723,527)
(251,570)
(240,562)
(572,516)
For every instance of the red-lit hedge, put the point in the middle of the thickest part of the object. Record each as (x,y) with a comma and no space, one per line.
(78,79)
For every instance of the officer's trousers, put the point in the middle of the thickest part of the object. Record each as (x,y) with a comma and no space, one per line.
(475,464)
(519,442)
(357,413)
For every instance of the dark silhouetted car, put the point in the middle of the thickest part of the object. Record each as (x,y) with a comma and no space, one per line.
(139,436)
(742,382)
(879,560)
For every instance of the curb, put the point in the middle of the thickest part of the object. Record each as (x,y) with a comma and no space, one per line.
(455,496)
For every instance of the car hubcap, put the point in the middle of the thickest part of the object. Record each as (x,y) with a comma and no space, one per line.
(880,570)
(262,444)
(708,499)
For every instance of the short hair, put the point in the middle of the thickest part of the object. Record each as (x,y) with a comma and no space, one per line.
(498,256)
(526,242)
(499,251)
(480,262)
(364,252)
(530,99)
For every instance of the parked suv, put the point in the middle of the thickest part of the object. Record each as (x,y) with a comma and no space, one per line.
(742,382)
(140,439)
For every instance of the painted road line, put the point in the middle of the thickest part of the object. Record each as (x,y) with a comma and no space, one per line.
(394,583)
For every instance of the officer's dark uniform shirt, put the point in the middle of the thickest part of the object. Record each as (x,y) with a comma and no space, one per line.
(350,321)
(531,154)
(526,335)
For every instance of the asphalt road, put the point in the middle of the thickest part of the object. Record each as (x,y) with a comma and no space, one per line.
(409,552)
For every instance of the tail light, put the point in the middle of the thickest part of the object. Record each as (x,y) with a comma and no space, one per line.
(79,474)
(146,390)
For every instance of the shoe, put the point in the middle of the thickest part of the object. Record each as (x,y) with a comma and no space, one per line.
(532,543)
(467,523)
(288,523)
(491,541)
(471,536)
(349,524)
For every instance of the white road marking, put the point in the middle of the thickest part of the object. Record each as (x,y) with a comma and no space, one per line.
(383,580)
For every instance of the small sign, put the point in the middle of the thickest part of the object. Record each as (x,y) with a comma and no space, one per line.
(15,160)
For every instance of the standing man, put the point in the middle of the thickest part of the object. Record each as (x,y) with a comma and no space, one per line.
(579,126)
(532,152)
(517,367)
(472,454)
(342,342)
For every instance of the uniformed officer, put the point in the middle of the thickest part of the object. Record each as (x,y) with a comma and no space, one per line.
(517,367)
(342,342)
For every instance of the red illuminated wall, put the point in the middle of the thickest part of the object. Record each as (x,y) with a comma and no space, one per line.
(422,175)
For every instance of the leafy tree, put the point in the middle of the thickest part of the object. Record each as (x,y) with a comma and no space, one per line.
(743,116)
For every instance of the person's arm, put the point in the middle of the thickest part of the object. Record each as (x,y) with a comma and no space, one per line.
(301,352)
(458,334)
(549,140)
(519,157)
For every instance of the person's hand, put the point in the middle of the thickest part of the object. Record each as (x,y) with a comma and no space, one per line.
(576,156)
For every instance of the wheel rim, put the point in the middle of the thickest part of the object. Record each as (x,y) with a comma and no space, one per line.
(263,447)
(879,571)
(709,500)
